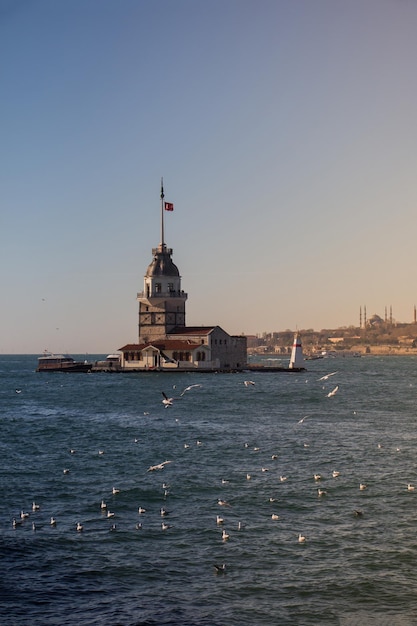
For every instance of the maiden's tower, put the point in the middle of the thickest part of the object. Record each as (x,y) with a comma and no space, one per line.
(165,343)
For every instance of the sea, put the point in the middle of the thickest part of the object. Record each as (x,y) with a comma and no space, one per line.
(148,483)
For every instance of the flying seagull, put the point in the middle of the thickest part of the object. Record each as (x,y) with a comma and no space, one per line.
(167,401)
(160,466)
(189,388)
(334,392)
(327,376)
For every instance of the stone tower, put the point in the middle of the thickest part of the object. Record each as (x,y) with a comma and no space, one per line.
(162,301)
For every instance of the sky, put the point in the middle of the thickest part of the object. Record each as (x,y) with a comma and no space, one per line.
(285,131)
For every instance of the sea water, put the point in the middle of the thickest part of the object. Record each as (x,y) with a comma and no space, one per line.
(68,439)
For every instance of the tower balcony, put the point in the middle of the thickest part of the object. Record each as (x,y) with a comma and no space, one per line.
(163,294)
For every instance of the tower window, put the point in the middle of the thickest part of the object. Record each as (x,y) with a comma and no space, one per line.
(158,287)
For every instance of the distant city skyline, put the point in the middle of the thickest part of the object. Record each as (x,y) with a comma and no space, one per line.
(285,133)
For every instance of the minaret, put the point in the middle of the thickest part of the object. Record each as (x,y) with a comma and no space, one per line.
(297,358)
(162,301)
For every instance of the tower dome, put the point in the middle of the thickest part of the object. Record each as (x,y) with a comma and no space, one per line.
(162,264)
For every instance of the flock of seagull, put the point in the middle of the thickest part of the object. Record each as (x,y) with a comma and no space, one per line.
(220,521)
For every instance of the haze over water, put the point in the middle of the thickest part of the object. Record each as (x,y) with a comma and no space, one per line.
(350,569)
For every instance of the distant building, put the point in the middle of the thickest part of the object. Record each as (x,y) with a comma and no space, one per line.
(164,340)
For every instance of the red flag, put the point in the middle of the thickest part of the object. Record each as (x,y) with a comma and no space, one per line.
(169,206)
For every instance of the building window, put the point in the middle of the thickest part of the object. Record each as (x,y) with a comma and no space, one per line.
(158,287)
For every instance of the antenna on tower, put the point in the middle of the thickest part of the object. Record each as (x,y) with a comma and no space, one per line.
(162,214)
(360,317)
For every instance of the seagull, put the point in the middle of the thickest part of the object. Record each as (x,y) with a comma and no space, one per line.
(188,389)
(362,487)
(165,526)
(101,452)
(110,514)
(115,491)
(53,521)
(16,523)
(23,515)
(138,526)
(66,471)
(283,479)
(219,520)
(265,469)
(79,527)
(248,476)
(247,383)
(335,473)
(317,477)
(410,487)
(274,516)
(274,457)
(301,421)
(225,536)
(167,401)
(327,376)
(301,538)
(35,507)
(103,505)
(225,482)
(141,510)
(334,392)
(321,492)
(220,569)
(72,451)
(160,466)
(18,390)
(164,512)
(223,502)
(357,513)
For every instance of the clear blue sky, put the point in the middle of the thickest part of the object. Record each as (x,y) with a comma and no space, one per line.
(286,134)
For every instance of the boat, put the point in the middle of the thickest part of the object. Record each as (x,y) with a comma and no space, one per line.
(49,362)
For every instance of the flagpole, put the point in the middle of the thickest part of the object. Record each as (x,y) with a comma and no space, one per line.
(162,214)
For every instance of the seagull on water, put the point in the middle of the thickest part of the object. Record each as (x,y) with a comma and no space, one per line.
(141,510)
(410,487)
(301,421)
(115,491)
(219,520)
(317,476)
(248,383)
(79,527)
(301,538)
(223,502)
(35,507)
(274,516)
(103,505)
(335,473)
(334,392)
(220,569)
(321,492)
(225,535)
(53,521)
(362,487)
(165,526)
